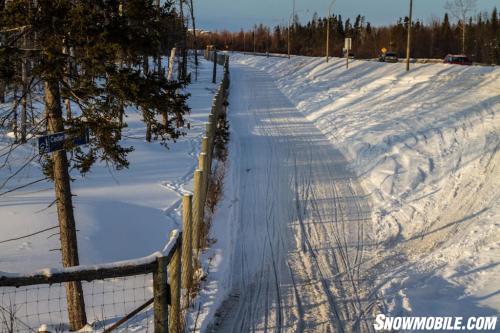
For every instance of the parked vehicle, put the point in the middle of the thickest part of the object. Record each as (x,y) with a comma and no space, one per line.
(351,55)
(457,59)
(388,57)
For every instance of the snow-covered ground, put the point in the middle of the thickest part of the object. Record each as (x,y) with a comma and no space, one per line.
(298,243)
(119,215)
(423,144)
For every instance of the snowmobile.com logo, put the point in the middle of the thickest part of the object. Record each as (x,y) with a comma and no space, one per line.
(386,323)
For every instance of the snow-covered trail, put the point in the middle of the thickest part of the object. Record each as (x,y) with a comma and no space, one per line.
(301,222)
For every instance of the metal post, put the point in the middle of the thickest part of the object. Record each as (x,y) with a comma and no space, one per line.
(408,44)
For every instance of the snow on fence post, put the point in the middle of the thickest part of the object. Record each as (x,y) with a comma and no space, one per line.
(161,296)
(202,165)
(198,206)
(187,244)
(174,277)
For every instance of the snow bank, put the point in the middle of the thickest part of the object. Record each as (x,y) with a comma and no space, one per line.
(426,146)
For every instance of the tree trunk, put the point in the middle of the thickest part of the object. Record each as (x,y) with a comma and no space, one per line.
(2,82)
(158,66)
(145,68)
(179,65)
(24,99)
(463,36)
(145,65)
(148,132)
(158,56)
(32,111)
(14,121)
(195,42)
(122,104)
(120,121)
(165,119)
(69,246)
(2,91)
(171,64)
(67,81)
(181,74)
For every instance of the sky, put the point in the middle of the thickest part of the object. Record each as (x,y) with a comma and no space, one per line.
(235,14)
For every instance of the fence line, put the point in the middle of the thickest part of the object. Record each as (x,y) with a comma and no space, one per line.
(39,298)
(24,302)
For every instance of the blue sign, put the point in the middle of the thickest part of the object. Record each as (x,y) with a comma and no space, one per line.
(57,141)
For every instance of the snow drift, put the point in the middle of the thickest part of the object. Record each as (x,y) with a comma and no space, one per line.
(425,144)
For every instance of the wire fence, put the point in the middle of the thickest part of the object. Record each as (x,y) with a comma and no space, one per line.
(126,296)
(44,307)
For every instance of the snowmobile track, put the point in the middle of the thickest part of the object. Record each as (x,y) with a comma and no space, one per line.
(299,249)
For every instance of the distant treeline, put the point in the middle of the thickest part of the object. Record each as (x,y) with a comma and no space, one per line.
(431,40)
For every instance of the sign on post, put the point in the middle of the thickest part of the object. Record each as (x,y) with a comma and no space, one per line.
(56,141)
(348,44)
(347,47)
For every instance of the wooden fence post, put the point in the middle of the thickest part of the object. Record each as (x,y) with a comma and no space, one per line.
(214,78)
(202,165)
(211,120)
(161,296)
(210,135)
(187,244)
(204,144)
(174,276)
(198,208)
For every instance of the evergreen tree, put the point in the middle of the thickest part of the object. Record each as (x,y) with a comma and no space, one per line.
(100,34)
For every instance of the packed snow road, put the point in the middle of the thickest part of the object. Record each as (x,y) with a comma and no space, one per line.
(301,222)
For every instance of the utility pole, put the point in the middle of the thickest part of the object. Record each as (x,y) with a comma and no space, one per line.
(288,38)
(253,35)
(289,27)
(268,43)
(408,42)
(328,31)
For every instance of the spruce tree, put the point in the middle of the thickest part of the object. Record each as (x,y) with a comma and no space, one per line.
(108,40)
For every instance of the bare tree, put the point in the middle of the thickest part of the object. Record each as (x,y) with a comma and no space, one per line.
(195,46)
(461,10)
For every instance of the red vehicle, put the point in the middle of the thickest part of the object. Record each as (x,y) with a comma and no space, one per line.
(457,59)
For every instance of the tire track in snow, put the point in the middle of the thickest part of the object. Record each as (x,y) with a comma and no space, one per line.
(300,242)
